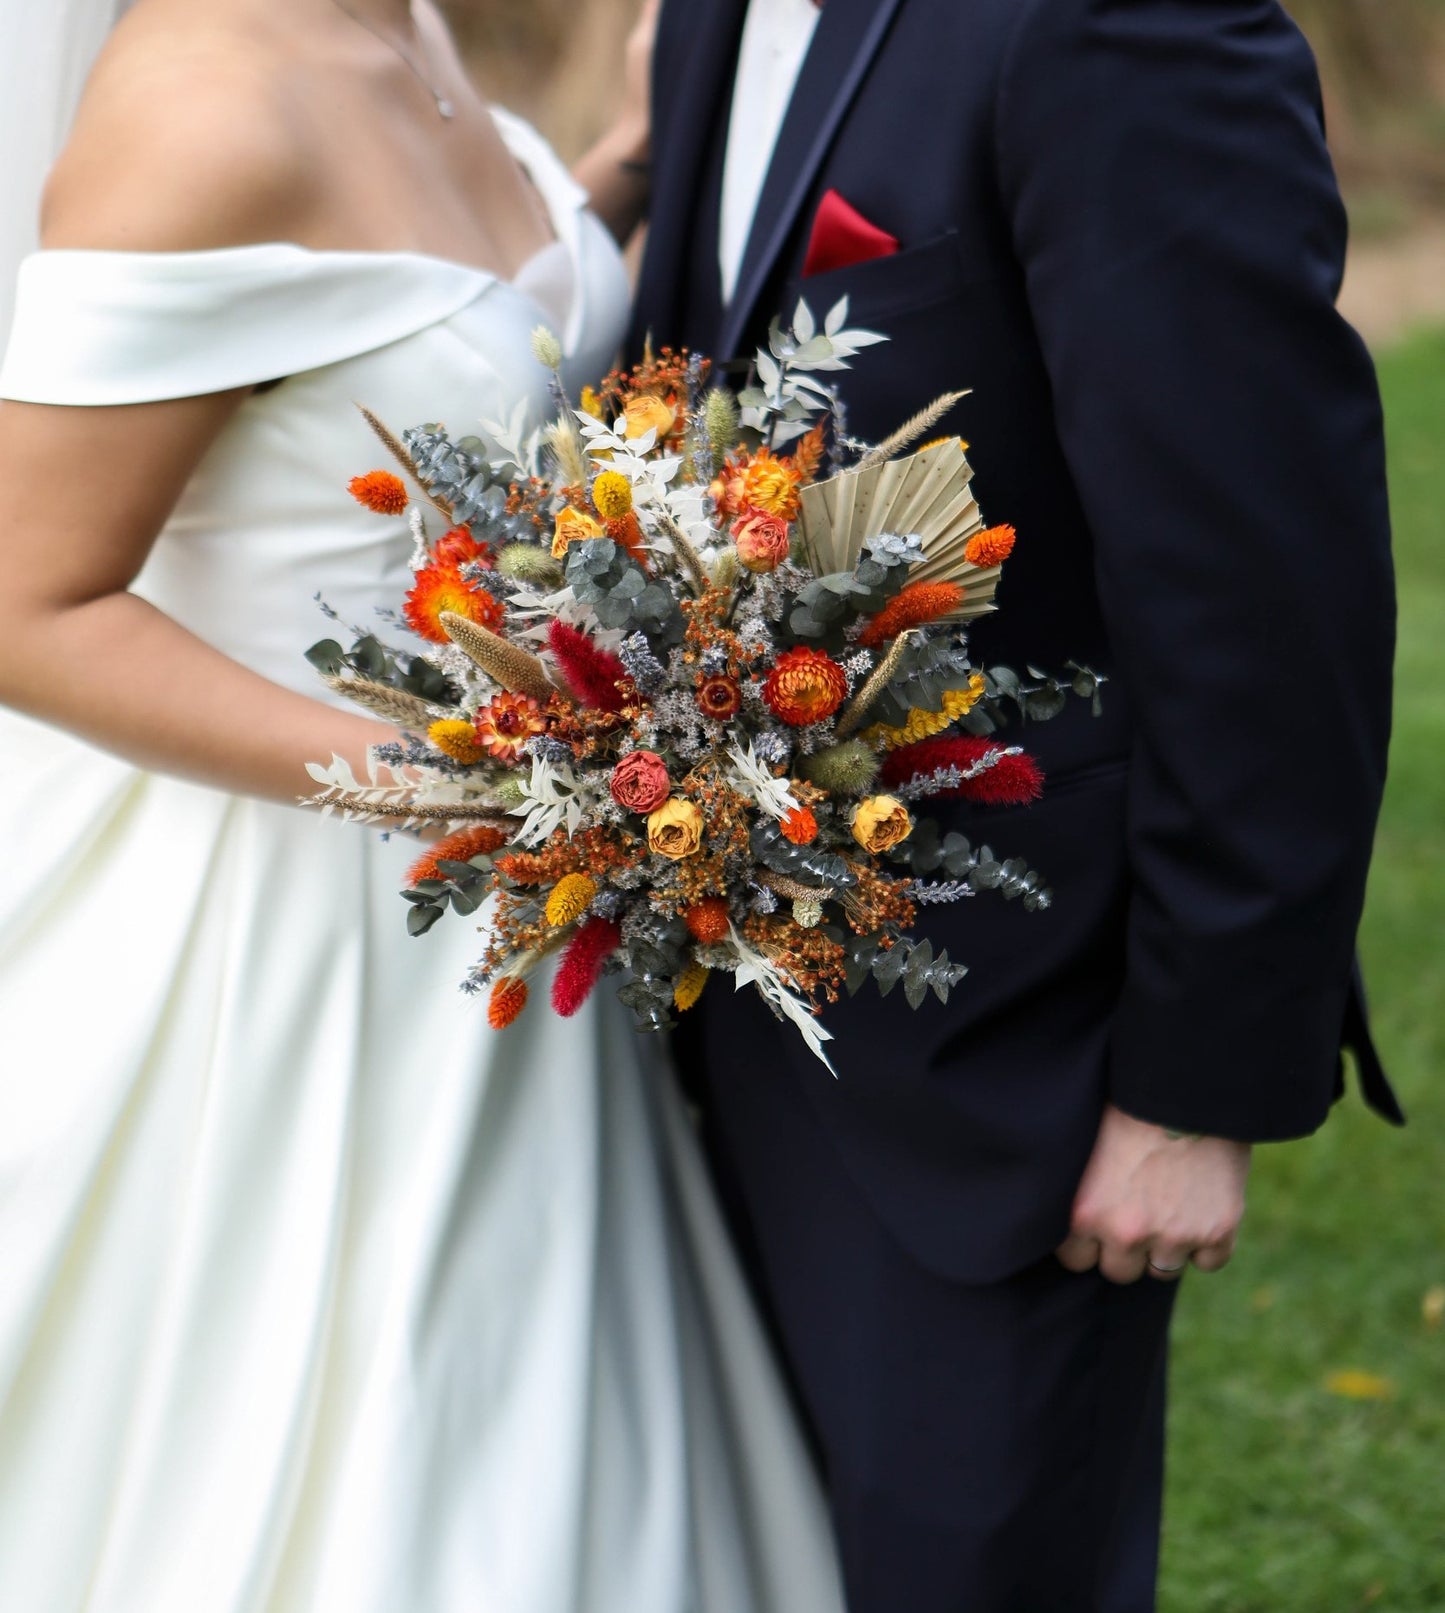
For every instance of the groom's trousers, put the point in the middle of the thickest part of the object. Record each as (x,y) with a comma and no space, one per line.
(989,1448)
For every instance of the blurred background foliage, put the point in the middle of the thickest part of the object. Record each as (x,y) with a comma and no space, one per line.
(1309,1426)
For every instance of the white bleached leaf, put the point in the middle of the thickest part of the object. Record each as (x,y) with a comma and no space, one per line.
(804,325)
(755,970)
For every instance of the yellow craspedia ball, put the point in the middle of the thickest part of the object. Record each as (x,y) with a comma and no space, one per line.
(570,899)
(457,739)
(689,988)
(612,495)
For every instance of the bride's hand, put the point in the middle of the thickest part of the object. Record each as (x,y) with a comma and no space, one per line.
(615,172)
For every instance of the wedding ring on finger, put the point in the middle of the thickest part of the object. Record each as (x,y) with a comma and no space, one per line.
(1164,1271)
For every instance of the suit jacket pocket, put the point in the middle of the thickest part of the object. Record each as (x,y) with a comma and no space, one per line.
(886,287)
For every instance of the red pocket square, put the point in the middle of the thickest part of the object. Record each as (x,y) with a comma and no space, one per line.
(843,237)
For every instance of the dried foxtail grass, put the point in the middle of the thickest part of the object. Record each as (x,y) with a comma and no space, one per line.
(381,700)
(910,431)
(564,442)
(687,555)
(397,449)
(862,703)
(516,669)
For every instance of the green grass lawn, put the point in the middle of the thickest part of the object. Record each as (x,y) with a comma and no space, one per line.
(1286,1497)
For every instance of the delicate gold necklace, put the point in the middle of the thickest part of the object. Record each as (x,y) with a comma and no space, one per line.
(444,106)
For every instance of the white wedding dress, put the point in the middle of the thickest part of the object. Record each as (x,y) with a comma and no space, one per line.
(316,1296)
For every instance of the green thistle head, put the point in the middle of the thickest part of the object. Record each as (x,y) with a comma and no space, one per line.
(847,769)
(528,563)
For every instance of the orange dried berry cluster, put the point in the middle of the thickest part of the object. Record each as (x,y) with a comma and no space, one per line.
(876,901)
(592,850)
(661,374)
(816,964)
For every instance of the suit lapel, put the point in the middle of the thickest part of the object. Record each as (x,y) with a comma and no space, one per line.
(692,89)
(850,33)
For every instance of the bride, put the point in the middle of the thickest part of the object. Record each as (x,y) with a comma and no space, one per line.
(318,1296)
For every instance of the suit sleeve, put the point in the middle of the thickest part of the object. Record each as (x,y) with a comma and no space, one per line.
(1163,167)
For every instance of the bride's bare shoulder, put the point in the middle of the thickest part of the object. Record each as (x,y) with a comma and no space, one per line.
(181,144)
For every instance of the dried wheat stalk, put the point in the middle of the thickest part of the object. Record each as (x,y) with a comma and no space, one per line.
(910,431)
(862,702)
(396,705)
(397,449)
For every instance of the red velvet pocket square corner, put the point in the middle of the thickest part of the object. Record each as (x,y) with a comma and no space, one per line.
(843,237)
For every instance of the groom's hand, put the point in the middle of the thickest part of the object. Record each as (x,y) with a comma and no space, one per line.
(1153,1201)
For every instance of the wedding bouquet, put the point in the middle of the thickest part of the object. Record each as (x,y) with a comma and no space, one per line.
(684,692)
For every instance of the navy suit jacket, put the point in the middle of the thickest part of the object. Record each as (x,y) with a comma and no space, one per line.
(1120,228)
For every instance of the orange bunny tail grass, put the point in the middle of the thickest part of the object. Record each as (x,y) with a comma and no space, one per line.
(380,492)
(627,531)
(990,547)
(509,998)
(919,602)
(806,459)
(708,920)
(800,826)
(461,847)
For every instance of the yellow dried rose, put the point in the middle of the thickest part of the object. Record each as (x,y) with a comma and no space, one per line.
(880,823)
(573,527)
(675,829)
(649,414)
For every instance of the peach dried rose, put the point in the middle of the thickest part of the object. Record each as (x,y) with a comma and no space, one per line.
(761,540)
(675,829)
(880,823)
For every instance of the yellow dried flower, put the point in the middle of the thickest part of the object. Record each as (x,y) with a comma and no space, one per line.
(689,988)
(573,526)
(570,899)
(612,494)
(457,739)
(646,414)
(880,823)
(923,725)
(675,829)
(591,402)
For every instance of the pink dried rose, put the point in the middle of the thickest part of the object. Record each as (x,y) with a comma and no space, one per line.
(761,540)
(640,782)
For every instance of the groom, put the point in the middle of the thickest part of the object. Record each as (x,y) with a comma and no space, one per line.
(1115,221)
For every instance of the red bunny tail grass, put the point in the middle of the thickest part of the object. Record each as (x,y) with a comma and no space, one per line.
(1011,781)
(592,674)
(581,966)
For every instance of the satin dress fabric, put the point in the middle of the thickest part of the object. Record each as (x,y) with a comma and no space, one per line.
(319,1296)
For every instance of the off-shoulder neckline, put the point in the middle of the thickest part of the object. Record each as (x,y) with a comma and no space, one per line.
(528,149)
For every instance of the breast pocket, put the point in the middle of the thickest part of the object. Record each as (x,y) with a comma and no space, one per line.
(884,288)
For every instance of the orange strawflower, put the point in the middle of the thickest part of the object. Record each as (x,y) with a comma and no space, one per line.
(509,998)
(380,491)
(991,547)
(441,587)
(800,826)
(459,548)
(918,603)
(506,723)
(708,921)
(759,482)
(804,687)
(461,847)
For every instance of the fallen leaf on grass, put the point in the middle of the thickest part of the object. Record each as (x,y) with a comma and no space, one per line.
(1354,1385)
(1432,1307)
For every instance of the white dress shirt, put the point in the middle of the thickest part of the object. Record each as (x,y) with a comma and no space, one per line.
(776,38)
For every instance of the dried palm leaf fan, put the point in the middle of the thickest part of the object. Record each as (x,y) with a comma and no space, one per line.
(928,494)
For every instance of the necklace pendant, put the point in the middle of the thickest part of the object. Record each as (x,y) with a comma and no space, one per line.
(445,107)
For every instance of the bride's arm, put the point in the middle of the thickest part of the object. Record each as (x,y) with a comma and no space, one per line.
(616,172)
(87,491)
